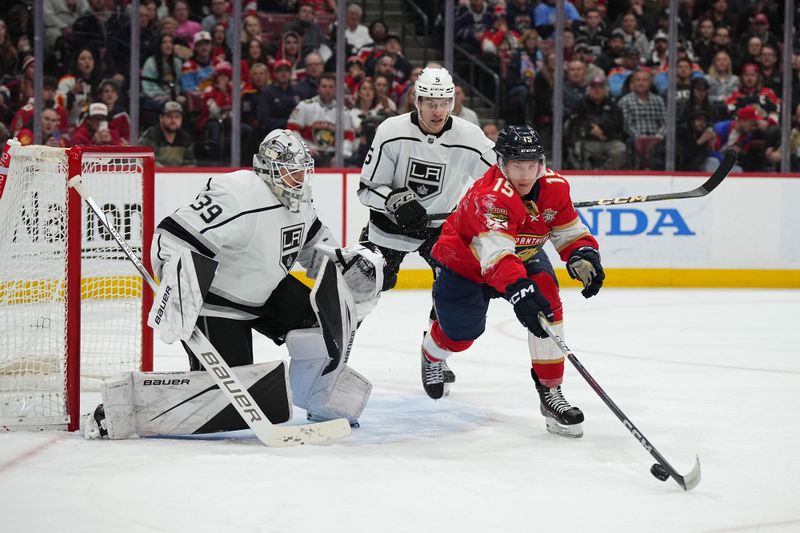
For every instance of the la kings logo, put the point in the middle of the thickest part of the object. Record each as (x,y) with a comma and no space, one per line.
(291,242)
(425,178)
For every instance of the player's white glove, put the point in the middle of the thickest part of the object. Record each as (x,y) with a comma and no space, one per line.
(186,278)
(362,270)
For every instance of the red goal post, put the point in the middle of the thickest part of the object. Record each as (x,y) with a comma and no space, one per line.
(72,309)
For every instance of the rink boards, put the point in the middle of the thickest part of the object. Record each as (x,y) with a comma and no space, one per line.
(744,234)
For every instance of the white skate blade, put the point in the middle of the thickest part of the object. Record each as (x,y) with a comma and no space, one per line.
(573,431)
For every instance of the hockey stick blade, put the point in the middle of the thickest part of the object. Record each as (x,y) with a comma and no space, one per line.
(711,183)
(687,482)
(237,394)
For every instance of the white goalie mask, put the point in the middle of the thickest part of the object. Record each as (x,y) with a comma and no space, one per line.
(283,161)
(435,83)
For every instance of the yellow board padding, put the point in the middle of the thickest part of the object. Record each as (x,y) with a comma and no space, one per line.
(95,288)
(641,278)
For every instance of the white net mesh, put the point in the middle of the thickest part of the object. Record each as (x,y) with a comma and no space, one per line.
(33,338)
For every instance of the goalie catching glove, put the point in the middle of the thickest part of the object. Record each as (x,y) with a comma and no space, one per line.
(184,284)
(403,204)
(584,265)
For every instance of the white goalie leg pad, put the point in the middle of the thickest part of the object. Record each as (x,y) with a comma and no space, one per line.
(546,350)
(329,393)
(184,403)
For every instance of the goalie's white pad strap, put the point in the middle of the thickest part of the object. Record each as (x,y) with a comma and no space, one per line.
(340,392)
(179,298)
(546,350)
(184,403)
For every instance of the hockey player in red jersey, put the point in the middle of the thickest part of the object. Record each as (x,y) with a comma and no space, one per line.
(491,246)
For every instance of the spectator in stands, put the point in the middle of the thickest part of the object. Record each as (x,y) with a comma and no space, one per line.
(574,86)
(722,43)
(634,37)
(183,49)
(658,55)
(751,51)
(699,101)
(719,14)
(683,78)
(584,54)
(595,131)
(545,17)
(722,83)
(306,27)
(103,30)
(172,145)
(738,135)
(355,75)
(356,34)
(118,118)
(377,33)
(251,97)
(491,131)
(403,88)
(187,28)
(612,56)
(315,121)
(698,140)
(59,16)
(543,85)
(384,86)
(51,134)
(77,89)
(18,91)
(23,118)
(308,87)
(773,149)
(519,15)
(592,32)
(751,93)
(642,111)
(761,30)
(462,111)
(255,53)
(471,21)
(617,76)
(393,49)
(290,51)
(220,51)
(278,99)
(703,39)
(407,103)
(95,130)
(160,75)
(367,103)
(196,72)
(149,37)
(770,72)
(218,100)
(498,41)
(219,15)
(251,31)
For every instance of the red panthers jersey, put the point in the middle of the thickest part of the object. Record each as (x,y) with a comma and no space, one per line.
(494,230)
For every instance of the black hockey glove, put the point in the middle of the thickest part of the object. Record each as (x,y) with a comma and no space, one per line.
(404,205)
(528,302)
(584,265)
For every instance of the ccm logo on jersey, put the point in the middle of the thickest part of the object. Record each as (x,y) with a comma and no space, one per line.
(163,382)
(424,178)
(291,241)
(163,305)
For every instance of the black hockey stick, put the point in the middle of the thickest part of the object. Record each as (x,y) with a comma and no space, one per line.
(662,469)
(716,178)
(711,183)
(267,432)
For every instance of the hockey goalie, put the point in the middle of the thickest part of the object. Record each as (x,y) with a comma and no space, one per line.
(224,262)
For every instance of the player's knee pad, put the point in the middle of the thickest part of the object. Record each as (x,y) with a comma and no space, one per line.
(328,392)
(184,403)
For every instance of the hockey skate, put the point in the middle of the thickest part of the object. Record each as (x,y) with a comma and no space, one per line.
(561,418)
(433,378)
(94,424)
(449,375)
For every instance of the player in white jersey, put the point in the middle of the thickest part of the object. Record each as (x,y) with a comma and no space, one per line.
(419,166)
(256,225)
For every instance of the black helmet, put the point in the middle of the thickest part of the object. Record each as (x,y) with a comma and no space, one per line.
(519,143)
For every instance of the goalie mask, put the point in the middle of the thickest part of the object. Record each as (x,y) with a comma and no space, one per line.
(283,161)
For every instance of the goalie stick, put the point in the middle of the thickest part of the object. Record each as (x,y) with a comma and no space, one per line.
(662,469)
(711,183)
(267,432)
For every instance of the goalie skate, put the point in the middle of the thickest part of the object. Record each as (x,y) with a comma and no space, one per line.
(94,424)
(561,418)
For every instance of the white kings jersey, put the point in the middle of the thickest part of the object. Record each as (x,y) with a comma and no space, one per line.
(438,168)
(238,221)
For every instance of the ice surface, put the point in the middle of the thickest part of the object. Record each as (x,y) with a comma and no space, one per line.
(708,372)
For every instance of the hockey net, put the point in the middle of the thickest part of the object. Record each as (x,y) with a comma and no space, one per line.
(72,308)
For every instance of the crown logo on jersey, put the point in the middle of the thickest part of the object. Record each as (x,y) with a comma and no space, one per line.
(549,215)
(424,177)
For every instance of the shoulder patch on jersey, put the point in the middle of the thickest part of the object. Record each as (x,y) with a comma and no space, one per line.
(549,214)
(424,177)
(496,219)
(291,242)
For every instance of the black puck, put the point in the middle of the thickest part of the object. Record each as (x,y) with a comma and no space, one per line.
(659,472)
